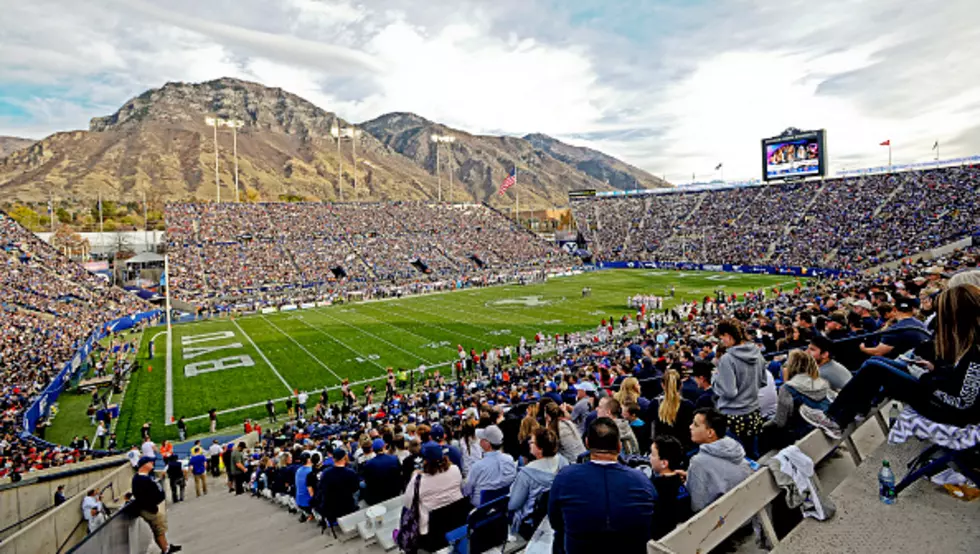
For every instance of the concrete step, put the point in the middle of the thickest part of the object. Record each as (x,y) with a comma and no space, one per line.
(223,522)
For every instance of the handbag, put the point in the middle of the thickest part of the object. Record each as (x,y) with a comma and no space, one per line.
(407,535)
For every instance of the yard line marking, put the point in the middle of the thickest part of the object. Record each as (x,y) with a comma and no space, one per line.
(443,329)
(328,388)
(261,353)
(340,342)
(393,345)
(168,399)
(397,328)
(498,320)
(303,348)
(471,324)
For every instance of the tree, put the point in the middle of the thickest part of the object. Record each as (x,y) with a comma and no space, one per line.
(66,237)
(25,216)
(63,215)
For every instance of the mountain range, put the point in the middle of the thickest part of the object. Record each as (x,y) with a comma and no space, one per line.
(160,145)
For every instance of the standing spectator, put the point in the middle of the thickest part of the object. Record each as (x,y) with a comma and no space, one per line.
(301,403)
(609,408)
(100,434)
(338,487)
(270,408)
(198,463)
(719,466)
(148,450)
(177,477)
(534,479)
(92,509)
(59,495)
(149,500)
(213,420)
(134,456)
(596,505)
(238,469)
(833,372)
(438,485)
(181,429)
(741,373)
(226,460)
(214,464)
(494,471)
(382,475)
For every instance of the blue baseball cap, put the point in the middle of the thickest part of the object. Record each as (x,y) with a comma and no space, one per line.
(378,445)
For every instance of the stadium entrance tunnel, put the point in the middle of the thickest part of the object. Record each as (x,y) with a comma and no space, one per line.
(476,259)
(421,266)
(339,272)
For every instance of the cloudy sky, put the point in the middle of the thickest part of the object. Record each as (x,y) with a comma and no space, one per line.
(673,86)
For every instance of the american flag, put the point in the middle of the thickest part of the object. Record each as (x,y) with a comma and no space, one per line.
(508,182)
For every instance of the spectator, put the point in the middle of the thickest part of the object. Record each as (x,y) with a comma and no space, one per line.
(438,434)
(494,471)
(338,486)
(702,373)
(526,434)
(238,470)
(741,373)
(719,466)
(92,509)
(177,478)
(767,397)
(198,463)
(802,385)
(831,371)
(904,331)
(437,485)
(584,396)
(609,408)
(59,495)
(570,444)
(304,493)
(601,503)
(672,505)
(215,462)
(149,500)
(382,476)
(470,446)
(533,480)
(942,395)
(672,414)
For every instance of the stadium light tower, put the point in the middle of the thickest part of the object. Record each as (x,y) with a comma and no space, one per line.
(214,122)
(338,133)
(447,139)
(235,124)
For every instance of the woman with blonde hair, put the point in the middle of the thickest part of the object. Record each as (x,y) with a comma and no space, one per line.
(946,393)
(802,385)
(528,426)
(672,415)
(629,393)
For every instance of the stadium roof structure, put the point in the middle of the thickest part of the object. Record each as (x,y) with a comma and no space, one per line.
(145,258)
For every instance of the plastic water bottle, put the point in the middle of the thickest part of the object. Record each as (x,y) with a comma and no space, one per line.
(886,483)
(893,414)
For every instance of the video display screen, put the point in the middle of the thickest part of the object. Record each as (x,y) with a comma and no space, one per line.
(794,156)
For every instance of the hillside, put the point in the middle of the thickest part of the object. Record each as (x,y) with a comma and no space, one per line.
(159,144)
(12,144)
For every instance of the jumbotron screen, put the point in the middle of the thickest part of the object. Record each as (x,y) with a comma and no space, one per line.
(794,156)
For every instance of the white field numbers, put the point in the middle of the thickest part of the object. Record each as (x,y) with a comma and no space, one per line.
(207,366)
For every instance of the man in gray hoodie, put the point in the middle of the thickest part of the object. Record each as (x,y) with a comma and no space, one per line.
(741,371)
(720,464)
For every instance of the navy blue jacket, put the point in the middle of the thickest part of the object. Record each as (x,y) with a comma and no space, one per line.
(382,478)
(594,507)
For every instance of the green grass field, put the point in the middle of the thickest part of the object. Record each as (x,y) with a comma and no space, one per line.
(315,348)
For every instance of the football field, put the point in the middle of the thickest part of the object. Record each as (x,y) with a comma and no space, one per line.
(236,364)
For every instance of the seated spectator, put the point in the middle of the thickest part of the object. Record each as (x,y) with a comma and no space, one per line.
(633,414)
(671,415)
(494,471)
(701,374)
(382,475)
(942,395)
(59,496)
(767,397)
(836,375)
(338,487)
(469,446)
(609,408)
(304,495)
(741,373)
(673,504)
(438,435)
(533,480)
(904,331)
(437,485)
(584,401)
(601,504)
(570,444)
(719,466)
(802,385)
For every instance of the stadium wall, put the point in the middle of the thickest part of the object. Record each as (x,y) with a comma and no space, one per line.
(730,268)
(42,403)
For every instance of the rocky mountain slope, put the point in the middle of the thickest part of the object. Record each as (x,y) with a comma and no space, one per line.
(158,144)
(13,144)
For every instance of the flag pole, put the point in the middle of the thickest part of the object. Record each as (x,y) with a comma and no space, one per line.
(889,154)
(937,150)
(517,197)
(101,226)
(51,215)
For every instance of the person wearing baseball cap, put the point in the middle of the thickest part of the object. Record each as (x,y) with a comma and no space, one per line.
(904,332)
(199,463)
(336,488)
(150,500)
(584,400)
(868,321)
(494,471)
(382,475)
(438,435)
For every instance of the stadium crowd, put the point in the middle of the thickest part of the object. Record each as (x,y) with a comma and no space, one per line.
(49,306)
(662,410)
(845,223)
(228,254)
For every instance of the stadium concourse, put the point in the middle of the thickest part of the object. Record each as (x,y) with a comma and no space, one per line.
(246,255)
(843,223)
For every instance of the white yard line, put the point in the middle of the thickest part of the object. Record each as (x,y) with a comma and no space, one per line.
(444,330)
(366,332)
(330,388)
(362,314)
(340,342)
(261,353)
(484,314)
(470,323)
(303,348)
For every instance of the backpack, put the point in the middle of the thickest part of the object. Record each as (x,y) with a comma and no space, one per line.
(407,535)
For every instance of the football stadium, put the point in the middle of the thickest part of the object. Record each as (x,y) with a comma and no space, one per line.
(233,320)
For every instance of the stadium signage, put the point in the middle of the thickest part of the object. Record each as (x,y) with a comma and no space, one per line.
(207,366)
(753,269)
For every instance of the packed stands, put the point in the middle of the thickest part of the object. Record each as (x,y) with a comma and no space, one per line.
(643,363)
(48,306)
(845,223)
(230,253)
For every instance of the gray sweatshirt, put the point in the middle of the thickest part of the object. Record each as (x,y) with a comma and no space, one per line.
(716,469)
(741,372)
(815,389)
